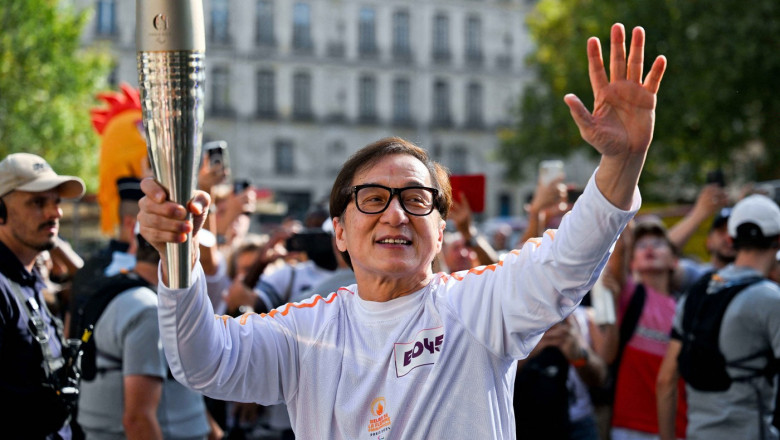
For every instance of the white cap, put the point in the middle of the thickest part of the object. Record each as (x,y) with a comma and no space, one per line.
(756,209)
(28,172)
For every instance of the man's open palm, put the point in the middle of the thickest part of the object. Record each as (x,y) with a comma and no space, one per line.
(624,109)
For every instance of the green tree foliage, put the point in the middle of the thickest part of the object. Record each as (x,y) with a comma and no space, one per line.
(719,103)
(47,86)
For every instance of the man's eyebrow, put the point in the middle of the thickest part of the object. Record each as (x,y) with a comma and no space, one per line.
(406,184)
(43,197)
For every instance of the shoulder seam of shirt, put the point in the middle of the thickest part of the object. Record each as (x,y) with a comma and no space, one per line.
(457,317)
(318,336)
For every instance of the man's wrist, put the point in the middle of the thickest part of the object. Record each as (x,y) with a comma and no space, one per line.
(582,360)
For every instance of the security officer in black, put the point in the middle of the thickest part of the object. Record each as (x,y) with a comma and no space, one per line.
(33,391)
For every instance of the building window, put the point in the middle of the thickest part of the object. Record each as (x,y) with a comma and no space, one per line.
(337,153)
(106,17)
(298,202)
(266,94)
(504,62)
(284,157)
(458,160)
(367,95)
(441,38)
(302,96)
(401,102)
(504,205)
(401,44)
(441,104)
(367,32)
(220,91)
(113,77)
(474,102)
(219,22)
(302,27)
(474,41)
(265,23)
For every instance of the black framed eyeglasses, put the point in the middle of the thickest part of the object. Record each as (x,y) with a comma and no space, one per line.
(415,200)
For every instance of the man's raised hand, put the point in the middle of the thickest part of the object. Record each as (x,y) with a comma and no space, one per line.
(623,116)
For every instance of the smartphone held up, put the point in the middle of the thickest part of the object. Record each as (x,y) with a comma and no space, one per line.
(550,170)
(217,155)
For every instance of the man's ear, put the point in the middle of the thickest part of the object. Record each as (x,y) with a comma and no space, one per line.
(440,238)
(340,234)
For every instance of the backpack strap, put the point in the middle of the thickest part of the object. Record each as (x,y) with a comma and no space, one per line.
(630,319)
(768,371)
(38,328)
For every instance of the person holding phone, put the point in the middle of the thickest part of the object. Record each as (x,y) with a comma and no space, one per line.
(214,166)
(465,248)
(390,354)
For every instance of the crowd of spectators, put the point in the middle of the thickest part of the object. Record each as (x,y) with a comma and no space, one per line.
(585,379)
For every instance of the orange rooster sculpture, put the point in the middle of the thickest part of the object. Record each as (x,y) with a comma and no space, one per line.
(123,150)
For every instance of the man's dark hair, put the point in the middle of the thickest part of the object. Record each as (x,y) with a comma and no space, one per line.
(750,237)
(653,228)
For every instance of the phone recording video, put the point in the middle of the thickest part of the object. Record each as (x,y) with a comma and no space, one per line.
(217,155)
(717,177)
(240,185)
(550,170)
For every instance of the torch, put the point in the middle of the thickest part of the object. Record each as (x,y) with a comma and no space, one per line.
(171,45)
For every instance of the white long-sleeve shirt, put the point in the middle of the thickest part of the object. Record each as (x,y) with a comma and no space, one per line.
(439,363)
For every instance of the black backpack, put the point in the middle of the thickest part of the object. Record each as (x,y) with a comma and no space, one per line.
(88,314)
(700,361)
(541,398)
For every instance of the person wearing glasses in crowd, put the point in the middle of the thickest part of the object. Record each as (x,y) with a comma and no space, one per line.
(405,352)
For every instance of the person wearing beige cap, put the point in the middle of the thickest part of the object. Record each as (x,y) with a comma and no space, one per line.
(36,390)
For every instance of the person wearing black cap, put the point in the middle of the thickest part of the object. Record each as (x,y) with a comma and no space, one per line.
(32,384)
(747,336)
(117,255)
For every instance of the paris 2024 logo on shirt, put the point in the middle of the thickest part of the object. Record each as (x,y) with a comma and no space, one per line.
(424,349)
